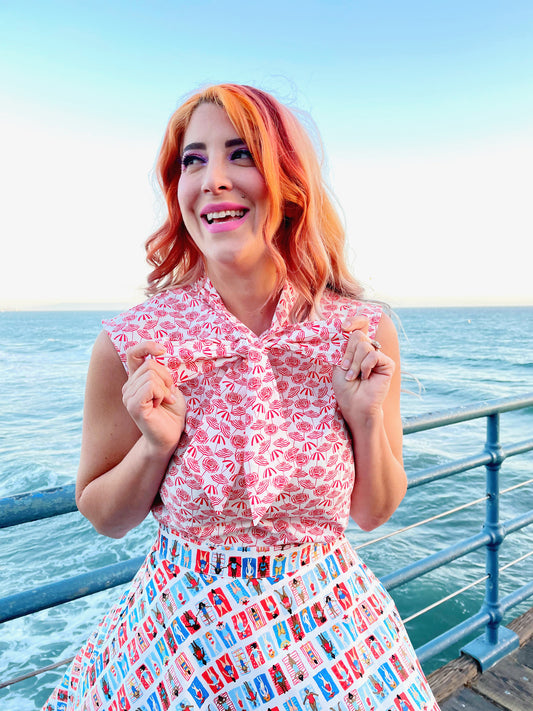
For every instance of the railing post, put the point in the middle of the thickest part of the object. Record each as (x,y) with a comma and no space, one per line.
(493,527)
(497,641)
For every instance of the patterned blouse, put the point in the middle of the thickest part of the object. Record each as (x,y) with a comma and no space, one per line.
(265,457)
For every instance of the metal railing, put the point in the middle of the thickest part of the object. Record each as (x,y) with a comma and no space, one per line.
(486,649)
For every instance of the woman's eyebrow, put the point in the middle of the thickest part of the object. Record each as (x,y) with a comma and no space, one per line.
(201,146)
(194,147)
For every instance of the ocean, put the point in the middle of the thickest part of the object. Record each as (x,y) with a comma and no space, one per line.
(451,357)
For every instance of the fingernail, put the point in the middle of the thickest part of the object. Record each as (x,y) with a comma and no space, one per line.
(345,364)
(349,375)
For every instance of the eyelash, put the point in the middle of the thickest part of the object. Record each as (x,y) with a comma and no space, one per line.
(190,158)
(241,150)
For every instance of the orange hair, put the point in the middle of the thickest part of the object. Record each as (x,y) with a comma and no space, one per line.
(303,231)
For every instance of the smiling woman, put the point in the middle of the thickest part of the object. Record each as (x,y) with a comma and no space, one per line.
(224,205)
(301,229)
(252,404)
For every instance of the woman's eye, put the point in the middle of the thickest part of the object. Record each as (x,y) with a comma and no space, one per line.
(191,159)
(243,155)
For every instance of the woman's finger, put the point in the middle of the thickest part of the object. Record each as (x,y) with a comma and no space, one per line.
(356,338)
(137,354)
(369,363)
(359,353)
(150,384)
(355,323)
(159,370)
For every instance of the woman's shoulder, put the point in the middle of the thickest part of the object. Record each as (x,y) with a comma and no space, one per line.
(161,317)
(169,303)
(334,305)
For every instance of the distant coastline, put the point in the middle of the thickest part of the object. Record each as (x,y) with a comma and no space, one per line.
(122,306)
(49,308)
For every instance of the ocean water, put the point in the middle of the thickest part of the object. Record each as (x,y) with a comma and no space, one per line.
(450,357)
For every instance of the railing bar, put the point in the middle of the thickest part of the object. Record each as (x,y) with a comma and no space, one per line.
(450,417)
(56,501)
(435,560)
(62,591)
(474,461)
(516,486)
(451,636)
(36,672)
(517,448)
(68,660)
(445,599)
(517,560)
(420,523)
(515,524)
(37,505)
(443,471)
(516,597)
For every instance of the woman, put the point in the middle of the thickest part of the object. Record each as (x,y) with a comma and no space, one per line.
(258,408)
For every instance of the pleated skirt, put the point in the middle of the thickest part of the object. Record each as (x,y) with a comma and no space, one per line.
(293,628)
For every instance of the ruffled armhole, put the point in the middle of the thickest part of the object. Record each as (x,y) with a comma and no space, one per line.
(122,337)
(340,308)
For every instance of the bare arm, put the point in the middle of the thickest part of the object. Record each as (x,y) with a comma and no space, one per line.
(131,427)
(369,399)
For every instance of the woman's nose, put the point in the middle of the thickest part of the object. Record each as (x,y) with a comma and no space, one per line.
(216,177)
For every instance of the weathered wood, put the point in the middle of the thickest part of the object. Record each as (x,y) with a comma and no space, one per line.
(452,676)
(523,626)
(464,670)
(467,700)
(509,684)
(525,656)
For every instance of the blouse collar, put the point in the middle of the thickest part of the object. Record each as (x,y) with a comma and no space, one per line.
(281,318)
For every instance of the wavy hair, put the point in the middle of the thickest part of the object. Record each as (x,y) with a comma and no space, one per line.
(303,232)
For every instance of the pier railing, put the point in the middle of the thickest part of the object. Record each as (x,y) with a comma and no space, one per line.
(494,643)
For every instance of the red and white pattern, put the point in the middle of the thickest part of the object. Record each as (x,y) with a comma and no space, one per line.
(251,597)
(265,458)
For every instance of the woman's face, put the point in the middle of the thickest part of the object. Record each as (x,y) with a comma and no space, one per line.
(222,195)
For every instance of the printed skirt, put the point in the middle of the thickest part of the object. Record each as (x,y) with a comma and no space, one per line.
(293,628)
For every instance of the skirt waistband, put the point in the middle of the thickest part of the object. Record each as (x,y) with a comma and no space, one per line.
(247,562)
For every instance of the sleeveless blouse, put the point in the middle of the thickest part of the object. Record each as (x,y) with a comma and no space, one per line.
(265,457)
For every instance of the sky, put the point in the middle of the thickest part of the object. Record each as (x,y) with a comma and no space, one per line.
(425,110)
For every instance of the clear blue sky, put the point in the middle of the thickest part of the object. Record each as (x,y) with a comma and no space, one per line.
(425,110)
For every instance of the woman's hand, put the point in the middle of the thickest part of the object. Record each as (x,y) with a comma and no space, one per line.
(362,381)
(154,403)
(131,427)
(367,388)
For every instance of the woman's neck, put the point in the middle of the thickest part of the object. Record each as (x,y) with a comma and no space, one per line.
(250,298)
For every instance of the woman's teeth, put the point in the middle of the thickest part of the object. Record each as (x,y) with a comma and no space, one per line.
(224,215)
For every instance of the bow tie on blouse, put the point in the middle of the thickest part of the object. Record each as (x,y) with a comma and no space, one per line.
(234,440)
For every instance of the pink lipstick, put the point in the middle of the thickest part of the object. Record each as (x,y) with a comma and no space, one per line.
(223,216)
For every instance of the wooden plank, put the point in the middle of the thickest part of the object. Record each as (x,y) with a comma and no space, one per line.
(523,626)
(524,655)
(463,670)
(509,684)
(468,700)
(452,676)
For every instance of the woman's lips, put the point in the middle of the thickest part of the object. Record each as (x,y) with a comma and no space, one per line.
(222,217)
(224,224)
